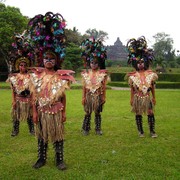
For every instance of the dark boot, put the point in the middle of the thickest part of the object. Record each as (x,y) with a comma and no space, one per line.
(59,146)
(42,151)
(86,124)
(98,124)
(15,130)
(31,126)
(151,122)
(139,125)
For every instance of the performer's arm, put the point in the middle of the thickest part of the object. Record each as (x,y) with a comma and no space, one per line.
(84,95)
(13,98)
(153,94)
(132,95)
(103,92)
(34,108)
(63,100)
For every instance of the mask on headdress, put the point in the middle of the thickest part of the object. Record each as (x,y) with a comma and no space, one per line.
(21,51)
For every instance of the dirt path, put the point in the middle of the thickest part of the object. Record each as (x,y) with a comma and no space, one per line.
(120,88)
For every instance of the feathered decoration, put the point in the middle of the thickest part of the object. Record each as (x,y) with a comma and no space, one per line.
(138,50)
(48,33)
(92,49)
(21,51)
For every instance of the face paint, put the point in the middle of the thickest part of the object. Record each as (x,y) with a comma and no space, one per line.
(94,62)
(50,60)
(94,65)
(22,67)
(140,64)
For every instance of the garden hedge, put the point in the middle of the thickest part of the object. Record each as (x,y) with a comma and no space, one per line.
(161,77)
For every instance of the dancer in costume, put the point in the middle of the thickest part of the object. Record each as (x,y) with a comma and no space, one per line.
(48,85)
(94,83)
(142,83)
(21,57)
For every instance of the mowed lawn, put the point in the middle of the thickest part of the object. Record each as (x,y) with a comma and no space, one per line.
(118,154)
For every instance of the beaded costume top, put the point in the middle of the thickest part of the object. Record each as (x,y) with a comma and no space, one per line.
(93,81)
(20,82)
(143,85)
(49,88)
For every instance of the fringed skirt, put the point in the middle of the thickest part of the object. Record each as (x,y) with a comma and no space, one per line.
(50,127)
(93,103)
(141,105)
(23,109)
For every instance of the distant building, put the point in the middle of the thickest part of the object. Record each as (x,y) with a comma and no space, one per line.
(117,51)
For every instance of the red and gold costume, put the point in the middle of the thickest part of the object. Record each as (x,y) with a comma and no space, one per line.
(49,93)
(49,84)
(142,83)
(20,87)
(94,83)
(21,105)
(20,58)
(142,86)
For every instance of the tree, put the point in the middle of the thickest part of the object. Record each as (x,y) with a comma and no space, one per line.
(178,59)
(11,21)
(163,48)
(100,35)
(73,57)
(73,36)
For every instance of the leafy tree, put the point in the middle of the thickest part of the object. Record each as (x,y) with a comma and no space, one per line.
(178,59)
(163,48)
(101,35)
(73,57)
(73,36)
(11,21)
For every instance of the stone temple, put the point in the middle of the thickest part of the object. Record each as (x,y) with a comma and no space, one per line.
(117,51)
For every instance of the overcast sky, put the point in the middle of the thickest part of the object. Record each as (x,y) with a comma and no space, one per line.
(119,18)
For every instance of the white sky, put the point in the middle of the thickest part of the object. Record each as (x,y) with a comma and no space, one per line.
(119,18)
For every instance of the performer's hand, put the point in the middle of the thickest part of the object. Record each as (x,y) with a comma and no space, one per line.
(14,105)
(63,116)
(31,104)
(83,101)
(131,102)
(103,100)
(35,117)
(154,101)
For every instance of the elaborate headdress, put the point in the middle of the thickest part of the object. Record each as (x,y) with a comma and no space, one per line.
(93,49)
(138,51)
(47,34)
(21,51)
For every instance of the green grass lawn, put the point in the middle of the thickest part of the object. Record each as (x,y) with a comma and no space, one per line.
(118,154)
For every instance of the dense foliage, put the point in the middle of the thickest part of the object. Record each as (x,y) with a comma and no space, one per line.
(11,21)
(164,52)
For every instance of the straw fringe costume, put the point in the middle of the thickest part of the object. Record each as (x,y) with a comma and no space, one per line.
(142,100)
(49,85)
(142,83)
(49,91)
(23,108)
(20,86)
(20,55)
(94,89)
(94,83)
(50,102)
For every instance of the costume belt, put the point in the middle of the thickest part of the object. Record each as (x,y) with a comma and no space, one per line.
(22,98)
(141,95)
(52,109)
